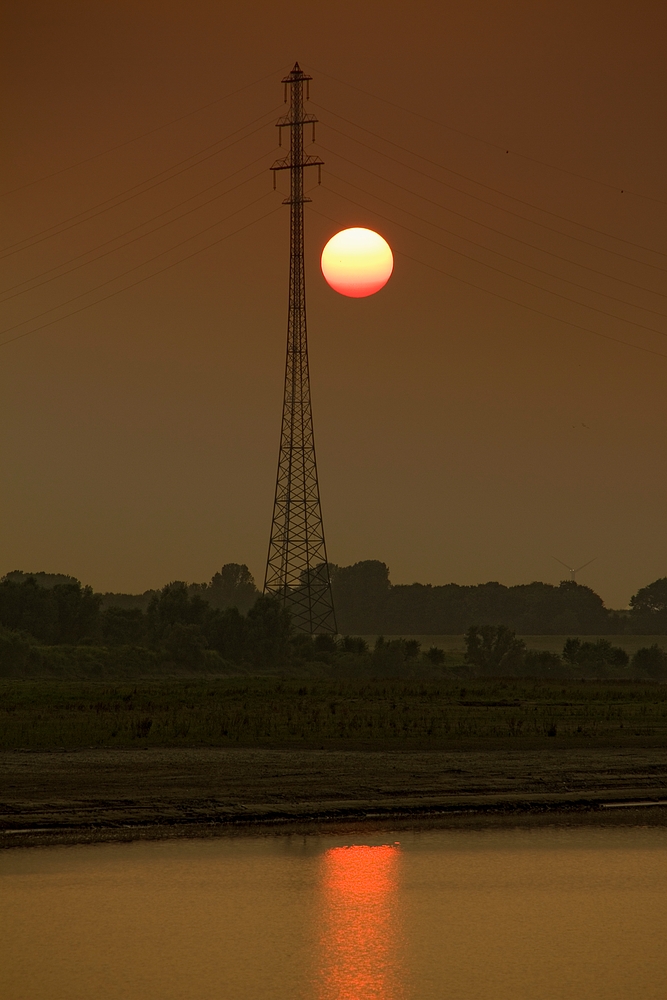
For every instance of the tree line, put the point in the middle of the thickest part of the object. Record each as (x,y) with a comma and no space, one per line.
(368,603)
(181,627)
(229,615)
(178,621)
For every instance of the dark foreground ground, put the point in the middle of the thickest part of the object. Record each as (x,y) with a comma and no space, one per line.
(87,795)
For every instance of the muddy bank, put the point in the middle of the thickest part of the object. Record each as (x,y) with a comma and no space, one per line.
(92,795)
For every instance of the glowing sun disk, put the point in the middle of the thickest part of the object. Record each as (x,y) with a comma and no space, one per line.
(357,262)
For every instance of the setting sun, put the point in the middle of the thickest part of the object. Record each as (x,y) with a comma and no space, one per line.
(357,262)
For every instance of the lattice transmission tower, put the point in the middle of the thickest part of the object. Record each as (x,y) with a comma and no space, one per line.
(297,570)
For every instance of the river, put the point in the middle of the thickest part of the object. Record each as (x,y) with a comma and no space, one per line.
(526,914)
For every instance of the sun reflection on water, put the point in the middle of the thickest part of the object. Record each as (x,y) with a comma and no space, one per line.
(360,934)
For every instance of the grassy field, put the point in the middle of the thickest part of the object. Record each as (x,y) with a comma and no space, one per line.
(550,643)
(256,711)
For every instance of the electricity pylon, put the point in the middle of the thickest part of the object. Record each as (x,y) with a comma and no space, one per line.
(297,571)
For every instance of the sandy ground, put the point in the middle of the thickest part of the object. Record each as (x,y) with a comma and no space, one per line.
(88,795)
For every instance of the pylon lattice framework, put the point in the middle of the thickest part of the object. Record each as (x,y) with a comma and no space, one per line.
(297,570)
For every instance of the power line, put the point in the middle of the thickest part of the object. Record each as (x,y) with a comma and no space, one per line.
(136,138)
(500,232)
(492,267)
(167,267)
(484,201)
(507,257)
(133,229)
(131,269)
(86,212)
(506,298)
(495,145)
(503,194)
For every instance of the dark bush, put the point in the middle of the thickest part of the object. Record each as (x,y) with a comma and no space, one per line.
(389,656)
(324,642)
(66,613)
(494,649)
(174,606)
(185,645)
(651,660)
(269,632)
(232,587)
(123,626)
(594,654)
(228,634)
(15,648)
(542,663)
(353,644)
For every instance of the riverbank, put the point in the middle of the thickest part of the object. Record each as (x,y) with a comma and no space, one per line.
(92,795)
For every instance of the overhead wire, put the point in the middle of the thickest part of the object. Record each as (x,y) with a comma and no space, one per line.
(499,232)
(76,220)
(141,225)
(170,171)
(507,257)
(139,281)
(144,135)
(499,270)
(503,194)
(506,298)
(146,277)
(130,270)
(494,145)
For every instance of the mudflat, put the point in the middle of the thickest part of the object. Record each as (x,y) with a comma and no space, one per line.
(99,794)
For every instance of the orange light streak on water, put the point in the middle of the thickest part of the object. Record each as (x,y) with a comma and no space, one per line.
(360,935)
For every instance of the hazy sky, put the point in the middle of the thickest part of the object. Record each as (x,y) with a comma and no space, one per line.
(462,435)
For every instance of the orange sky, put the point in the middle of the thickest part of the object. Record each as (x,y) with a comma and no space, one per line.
(461,436)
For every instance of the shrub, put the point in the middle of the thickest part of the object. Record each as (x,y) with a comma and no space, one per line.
(353,644)
(494,649)
(651,660)
(389,656)
(269,632)
(324,642)
(185,644)
(123,626)
(594,654)
(15,650)
(541,663)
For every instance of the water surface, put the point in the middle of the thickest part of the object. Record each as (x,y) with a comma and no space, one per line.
(539,914)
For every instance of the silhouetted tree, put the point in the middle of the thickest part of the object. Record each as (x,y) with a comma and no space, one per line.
(494,649)
(269,631)
(649,607)
(175,606)
(541,663)
(64,613)
(651,660)
(124,627)
(594,654)
(360,594)
(232,587)
(42,579)
(353,644)
(14,651)
(228,634)
(325,643)
(185,644)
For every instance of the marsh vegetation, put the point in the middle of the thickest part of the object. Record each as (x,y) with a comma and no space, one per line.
(270,710)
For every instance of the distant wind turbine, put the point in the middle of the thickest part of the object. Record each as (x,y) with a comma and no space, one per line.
(573,572)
